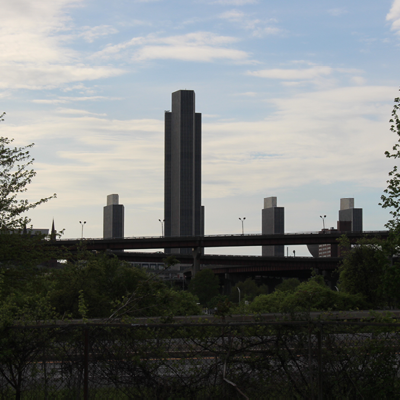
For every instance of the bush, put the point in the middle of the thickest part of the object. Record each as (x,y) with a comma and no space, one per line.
(313,295)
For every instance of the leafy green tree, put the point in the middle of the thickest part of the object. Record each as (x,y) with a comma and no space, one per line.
(23,257)
(312,295)
(391,197)
(362,271)
(182,302)
(288,285)
(219,298)
(16,174)
(205,285)
(248,290)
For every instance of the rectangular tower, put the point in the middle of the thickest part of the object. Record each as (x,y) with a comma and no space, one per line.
(350,218)
(113,218)
(182,182)
(273,221)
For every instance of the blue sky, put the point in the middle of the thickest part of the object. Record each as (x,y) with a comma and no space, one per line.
(295,96)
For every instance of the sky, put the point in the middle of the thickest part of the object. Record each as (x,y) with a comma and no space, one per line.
(296,99)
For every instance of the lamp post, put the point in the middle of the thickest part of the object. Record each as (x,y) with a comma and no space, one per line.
(294,253)
(162,221)
(323,221)
(242,219)
(239,294)
(82,224)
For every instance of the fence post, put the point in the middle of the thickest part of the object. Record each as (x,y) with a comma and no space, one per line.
(86,364)
(319,358)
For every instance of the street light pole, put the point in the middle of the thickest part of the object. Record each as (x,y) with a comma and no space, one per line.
(162,221)
(242,219)
(239,294)
(323,221)
(82,224)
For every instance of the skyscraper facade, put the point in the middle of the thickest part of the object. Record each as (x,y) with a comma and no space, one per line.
(273,222)
(183,213)
(113,218)
(350,218)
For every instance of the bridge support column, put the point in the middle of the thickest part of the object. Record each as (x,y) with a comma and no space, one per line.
(196,251)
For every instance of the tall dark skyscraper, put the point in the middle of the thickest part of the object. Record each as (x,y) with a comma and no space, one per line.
(183,213)
(273,222)
(113,218)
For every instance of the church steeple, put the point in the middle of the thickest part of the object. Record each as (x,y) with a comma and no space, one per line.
(53,234)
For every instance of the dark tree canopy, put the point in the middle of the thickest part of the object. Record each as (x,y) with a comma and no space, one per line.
(362,271)
(248,290)
(205,285)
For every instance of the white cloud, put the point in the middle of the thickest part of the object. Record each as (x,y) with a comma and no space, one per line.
(293,74)
(258,27)
(329,136)
(198,46)
(189,53)
(63,100)
(394,16)
(73,111)
(33,54)
(48,76)
(358,80)
(90,34)
(318,75)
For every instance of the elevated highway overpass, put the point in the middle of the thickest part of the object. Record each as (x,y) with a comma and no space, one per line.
(142,243)
(228,265)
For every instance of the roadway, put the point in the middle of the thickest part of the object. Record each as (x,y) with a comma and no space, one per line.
(141,243)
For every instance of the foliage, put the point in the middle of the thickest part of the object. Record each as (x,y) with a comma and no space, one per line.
(183,303)
(391,197)
(362,271)
(205,285)
(248,290)
(114,288)
(288,285)
(15,174)
(312,295)
(219,298)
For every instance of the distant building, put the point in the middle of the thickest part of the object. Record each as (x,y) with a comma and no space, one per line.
(328,250)
(273,222)
(113,218)
(183,213)
(350,220)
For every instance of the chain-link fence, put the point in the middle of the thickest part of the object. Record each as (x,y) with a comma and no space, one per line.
(284,360)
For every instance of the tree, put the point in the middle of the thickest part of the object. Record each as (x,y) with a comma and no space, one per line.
(113,289)
(205,285)
(288,285)
(391,196)
(15,174)
(248,290)
(312,295)
(363,269)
